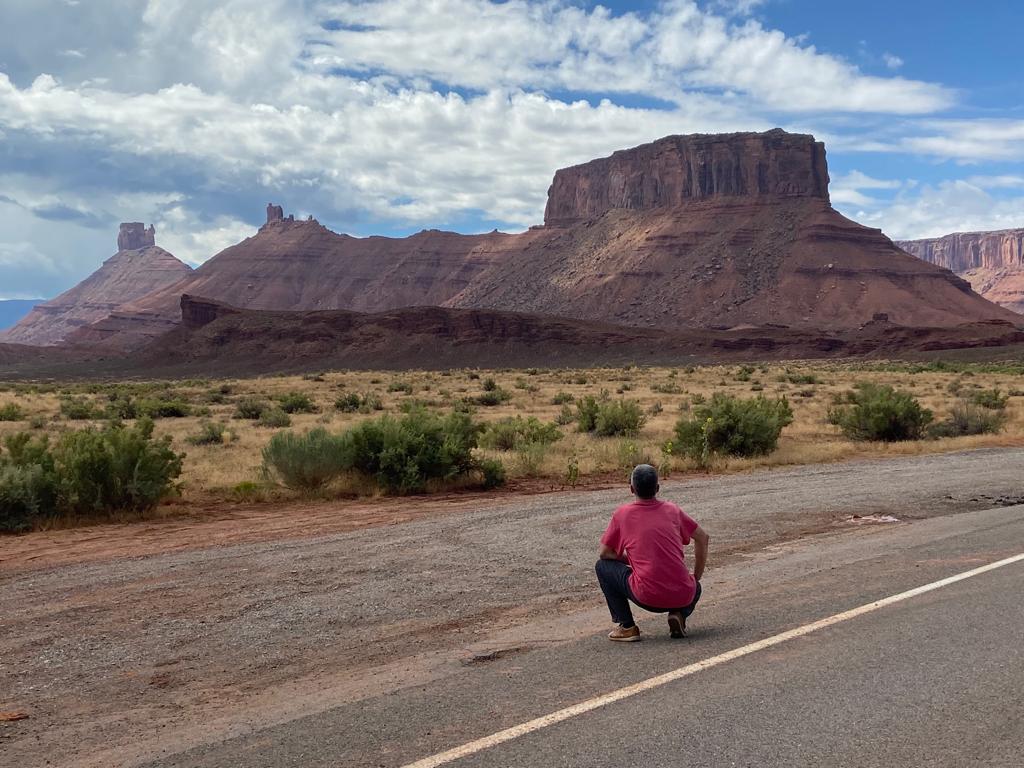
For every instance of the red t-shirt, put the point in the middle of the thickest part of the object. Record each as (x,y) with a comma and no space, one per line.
(653,533)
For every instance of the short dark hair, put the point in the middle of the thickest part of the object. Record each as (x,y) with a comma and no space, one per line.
(644,481)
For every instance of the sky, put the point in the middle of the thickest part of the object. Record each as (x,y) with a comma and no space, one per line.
(391,116)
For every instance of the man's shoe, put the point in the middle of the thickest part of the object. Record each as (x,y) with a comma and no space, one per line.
(677,625)
(623,635)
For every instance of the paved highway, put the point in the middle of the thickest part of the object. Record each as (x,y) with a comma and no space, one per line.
(931,680)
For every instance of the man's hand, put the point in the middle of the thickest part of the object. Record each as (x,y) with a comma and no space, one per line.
(700,551)
(607,553)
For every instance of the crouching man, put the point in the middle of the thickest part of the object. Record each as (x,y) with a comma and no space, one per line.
(642,559)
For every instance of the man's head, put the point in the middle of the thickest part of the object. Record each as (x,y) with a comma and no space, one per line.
(644,481)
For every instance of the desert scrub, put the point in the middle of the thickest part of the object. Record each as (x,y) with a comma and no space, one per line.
(730,426)
(405,454)
(969,418)
(87,473)
(79,409)
(513,432)
(211,433)
(879,412)
(274,418)
(11,412)
(306,462)
(561,398)
(992,399)
(160,408)
(250,408)
(609,418)
(353,402)
(297,402)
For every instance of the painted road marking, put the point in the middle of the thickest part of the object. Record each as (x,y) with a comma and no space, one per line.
(589,705)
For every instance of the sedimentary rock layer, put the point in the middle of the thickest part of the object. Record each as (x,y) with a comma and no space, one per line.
(682,169)
(686,231)
(992,262)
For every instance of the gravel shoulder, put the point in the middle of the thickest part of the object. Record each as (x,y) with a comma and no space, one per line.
(126,642)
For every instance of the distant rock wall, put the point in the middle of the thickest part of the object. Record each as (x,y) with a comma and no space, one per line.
(134,235)
(963,251)
(680,169)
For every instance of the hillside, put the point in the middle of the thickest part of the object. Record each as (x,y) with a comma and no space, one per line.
(138,268)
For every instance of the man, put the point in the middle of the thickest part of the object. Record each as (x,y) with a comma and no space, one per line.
(641,559)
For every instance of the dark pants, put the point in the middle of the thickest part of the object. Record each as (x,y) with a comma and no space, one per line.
(613,575)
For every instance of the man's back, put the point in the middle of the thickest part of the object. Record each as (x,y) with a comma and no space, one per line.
(652,533)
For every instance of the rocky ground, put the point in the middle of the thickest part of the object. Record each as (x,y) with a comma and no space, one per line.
(126,642)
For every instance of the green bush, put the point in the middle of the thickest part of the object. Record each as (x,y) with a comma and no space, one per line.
(492,474)
(28,482)
(116,469)
(490,385)
(11,412)
(992,399)
(211,433)
(353,402)
(565,416)
(400,386)
(561,398)
(879,412)
(274,418)
(250,408)
(79,409)
(158,408)
(122,407)
(404,454)
(490,397)
(969,418)
(624,417)
(586,413)
(297,402)
(307,461)
(730,426)
(514,432)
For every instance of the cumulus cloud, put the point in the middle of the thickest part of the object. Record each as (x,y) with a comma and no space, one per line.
(929,210)
(395,113)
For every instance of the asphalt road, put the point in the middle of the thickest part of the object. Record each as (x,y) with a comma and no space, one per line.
(931,681)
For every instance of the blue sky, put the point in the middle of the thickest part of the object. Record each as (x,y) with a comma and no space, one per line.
(389,116)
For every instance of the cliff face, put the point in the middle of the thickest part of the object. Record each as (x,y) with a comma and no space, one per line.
(686,231)
(683,169)
(992,262)
(125,276)
(962,251)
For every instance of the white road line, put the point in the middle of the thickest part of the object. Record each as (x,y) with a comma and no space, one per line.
(589,705)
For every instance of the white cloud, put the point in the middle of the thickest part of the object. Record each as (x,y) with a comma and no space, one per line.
(892,61)
(555,45)
(940,209)
(179,231)
(847,189)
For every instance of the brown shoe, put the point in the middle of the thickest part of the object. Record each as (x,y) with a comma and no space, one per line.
(623,635)
(677,625)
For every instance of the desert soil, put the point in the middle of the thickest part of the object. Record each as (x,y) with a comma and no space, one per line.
(123,643)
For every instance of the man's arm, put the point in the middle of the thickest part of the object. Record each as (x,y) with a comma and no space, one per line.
(700,552)
(607,553)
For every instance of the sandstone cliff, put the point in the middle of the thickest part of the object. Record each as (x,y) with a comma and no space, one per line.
(687,231)
(993,262)
(681,169)
(134,271)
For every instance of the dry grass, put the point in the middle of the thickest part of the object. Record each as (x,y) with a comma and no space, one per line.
(216,470)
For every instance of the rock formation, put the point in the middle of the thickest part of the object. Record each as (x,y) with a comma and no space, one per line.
(992,262)
(138,268)
(689,231)
(681,169)
(134,235)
